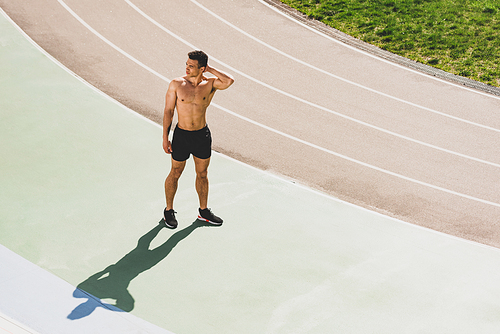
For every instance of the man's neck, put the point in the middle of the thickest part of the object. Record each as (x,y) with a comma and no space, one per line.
(195,81)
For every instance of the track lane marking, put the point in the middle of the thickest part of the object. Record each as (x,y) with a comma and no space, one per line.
(85,24)
(336,76)
(374,56)
(314,105)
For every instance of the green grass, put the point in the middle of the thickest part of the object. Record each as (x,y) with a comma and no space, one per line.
(458,36)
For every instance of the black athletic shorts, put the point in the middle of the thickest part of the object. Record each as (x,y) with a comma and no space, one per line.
(198,143)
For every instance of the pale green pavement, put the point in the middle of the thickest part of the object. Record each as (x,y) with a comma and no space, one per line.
(82,181)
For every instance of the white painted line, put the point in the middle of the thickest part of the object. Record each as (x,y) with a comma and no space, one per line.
(282,133)
(375,56)
(11,326)
(314,105)
(338,200)
(48,55)
(147,68)
(336,76)
(359,162)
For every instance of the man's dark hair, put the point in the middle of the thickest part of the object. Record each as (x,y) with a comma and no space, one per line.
(200,56)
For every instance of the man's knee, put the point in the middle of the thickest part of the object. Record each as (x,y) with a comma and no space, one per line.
(201,167)
(202,174)
(176,172)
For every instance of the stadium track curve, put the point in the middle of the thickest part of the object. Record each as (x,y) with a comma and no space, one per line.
(319,111)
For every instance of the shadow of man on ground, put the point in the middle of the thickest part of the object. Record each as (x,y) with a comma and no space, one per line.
(113,282)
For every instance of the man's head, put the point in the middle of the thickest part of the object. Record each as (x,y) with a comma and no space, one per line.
(200,56)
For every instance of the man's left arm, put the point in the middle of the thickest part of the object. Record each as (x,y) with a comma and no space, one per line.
(223,80)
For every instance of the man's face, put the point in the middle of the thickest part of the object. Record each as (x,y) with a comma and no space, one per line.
(192,68)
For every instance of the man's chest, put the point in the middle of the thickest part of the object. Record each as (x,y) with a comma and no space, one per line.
(191,94)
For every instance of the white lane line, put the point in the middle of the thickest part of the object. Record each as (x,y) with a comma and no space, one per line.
(336,76)
(9,325)
(314,105)
(111,44)
(374,56)
(274,130)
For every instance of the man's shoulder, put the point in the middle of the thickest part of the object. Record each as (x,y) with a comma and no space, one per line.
(177,82)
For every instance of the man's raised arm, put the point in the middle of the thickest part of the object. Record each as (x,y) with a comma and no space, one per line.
(223,80)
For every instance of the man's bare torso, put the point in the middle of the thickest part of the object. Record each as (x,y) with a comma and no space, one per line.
(191,95)
(192,102)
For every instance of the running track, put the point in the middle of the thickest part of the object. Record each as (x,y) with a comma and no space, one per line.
(304,106)
(279,135)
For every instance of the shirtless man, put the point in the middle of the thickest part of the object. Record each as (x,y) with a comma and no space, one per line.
(191,95)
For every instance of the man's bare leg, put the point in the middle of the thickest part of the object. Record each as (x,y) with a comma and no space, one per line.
(201,167)
(172,182)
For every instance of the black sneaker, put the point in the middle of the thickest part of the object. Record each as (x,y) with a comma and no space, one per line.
(209,217)
(170,220)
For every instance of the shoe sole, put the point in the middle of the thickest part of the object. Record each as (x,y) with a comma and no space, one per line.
(208,221)
(169,226)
